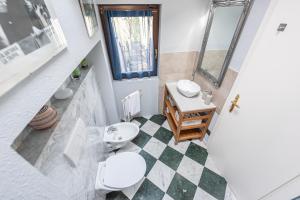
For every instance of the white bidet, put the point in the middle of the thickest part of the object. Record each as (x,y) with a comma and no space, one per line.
(118,135)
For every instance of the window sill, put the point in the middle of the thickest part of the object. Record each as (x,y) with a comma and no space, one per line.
(137,79)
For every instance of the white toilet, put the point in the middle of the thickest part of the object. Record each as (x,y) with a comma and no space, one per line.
(120,171)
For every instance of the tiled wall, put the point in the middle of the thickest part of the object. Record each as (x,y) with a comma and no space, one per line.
(180,65)
(212,61)
(219,94)
(175,66)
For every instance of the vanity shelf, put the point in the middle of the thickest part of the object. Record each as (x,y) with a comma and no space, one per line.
(188,118)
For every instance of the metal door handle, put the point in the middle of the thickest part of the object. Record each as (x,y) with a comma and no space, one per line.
(234,103)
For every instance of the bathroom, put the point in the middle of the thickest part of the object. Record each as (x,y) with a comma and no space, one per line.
(238,153)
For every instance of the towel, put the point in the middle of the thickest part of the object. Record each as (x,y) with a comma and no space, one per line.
(135,103)
(75,146)
(132,104)
(188,123)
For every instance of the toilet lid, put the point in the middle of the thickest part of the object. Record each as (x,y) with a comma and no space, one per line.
(124,170)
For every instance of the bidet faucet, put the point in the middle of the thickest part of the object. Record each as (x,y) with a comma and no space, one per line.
(111,129)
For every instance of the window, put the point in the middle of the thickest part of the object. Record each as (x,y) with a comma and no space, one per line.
(131,34)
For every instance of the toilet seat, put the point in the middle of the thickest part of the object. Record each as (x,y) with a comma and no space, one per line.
(120,171)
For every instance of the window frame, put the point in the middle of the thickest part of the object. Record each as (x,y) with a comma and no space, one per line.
(120,7)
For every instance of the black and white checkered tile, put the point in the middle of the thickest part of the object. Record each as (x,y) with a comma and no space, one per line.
(174,172)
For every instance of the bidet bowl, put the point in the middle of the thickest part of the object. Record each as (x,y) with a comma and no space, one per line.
(188,88)
(118,135)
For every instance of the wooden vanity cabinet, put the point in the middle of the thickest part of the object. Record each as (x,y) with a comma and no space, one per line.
(188,118)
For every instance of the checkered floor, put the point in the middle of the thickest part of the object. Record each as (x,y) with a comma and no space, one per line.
(179,172)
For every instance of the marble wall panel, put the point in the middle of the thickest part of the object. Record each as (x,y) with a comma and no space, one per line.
(77,182)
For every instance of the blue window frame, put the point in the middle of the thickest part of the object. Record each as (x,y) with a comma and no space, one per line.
(131,38)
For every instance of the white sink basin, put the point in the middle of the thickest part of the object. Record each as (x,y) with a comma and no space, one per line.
(188,88)
(118,135)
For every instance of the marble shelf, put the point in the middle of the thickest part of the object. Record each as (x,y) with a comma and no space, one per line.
(30,143)
(44,149)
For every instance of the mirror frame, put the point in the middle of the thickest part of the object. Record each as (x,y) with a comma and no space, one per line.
(222,3)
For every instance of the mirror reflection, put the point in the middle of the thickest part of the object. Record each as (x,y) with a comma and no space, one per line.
(221,34)
(223,28)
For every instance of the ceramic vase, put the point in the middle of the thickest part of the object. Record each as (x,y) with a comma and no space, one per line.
(44,119)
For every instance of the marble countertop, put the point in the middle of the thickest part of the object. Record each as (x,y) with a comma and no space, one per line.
(186,104)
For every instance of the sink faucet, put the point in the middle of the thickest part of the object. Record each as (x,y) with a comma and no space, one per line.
(111,129)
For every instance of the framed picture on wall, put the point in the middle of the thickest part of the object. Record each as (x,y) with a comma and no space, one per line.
(89,16)
(30,35)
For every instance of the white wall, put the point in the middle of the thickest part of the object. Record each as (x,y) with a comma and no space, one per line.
(19,180)
(104,78)
(149,90)
(249,31)
(182,25)
(223,26)
(182,22)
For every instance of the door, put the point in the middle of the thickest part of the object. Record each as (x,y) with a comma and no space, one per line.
(257,147)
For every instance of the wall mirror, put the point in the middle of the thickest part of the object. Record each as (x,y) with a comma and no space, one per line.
(225,23)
